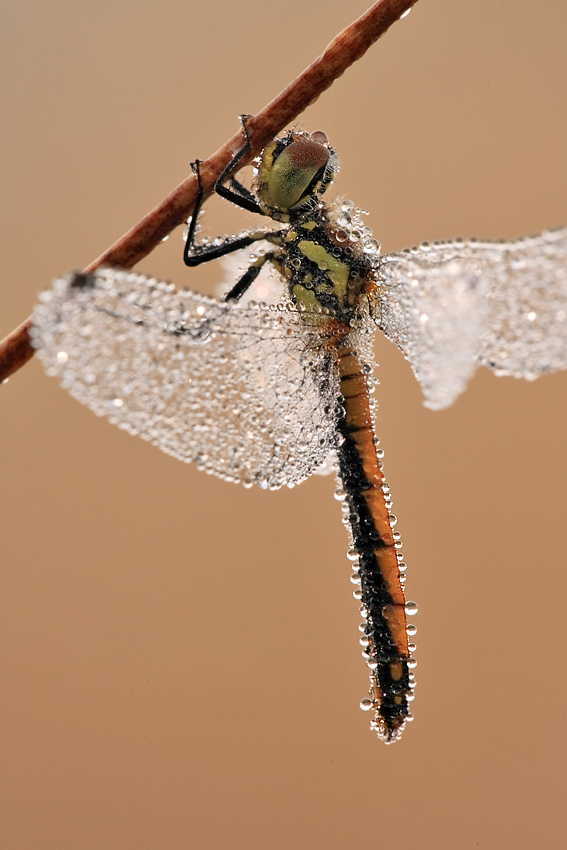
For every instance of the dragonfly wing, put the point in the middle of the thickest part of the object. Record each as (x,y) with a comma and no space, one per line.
(430,306)
(450,306)
(247,393)
(526,317)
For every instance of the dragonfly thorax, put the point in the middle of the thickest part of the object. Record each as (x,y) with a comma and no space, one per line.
(325,264)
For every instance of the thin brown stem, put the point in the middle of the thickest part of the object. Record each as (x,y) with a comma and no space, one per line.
(348,46)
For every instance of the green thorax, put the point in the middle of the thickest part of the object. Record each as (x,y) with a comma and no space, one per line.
(323,266)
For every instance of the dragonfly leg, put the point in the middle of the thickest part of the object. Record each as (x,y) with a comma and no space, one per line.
(193,254)
(248,278)
(237,193)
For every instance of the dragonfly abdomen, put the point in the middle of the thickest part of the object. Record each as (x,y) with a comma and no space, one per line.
(381,593)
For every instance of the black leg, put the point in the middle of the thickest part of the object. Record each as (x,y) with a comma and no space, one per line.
(194,255)
(246,199)
(247,278)
(190,241)
(241,190)
(197,254)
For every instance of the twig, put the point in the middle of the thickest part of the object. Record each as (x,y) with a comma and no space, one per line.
(346,48)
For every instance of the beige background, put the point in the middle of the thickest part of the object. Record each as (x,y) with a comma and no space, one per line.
(180,656)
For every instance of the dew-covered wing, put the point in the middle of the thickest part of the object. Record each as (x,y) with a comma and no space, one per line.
(450,306)
(248,393)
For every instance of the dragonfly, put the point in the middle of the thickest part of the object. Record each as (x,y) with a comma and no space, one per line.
(269,393)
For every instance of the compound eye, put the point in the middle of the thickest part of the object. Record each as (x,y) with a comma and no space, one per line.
(294,170)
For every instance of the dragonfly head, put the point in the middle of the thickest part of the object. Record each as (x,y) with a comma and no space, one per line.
(294,171)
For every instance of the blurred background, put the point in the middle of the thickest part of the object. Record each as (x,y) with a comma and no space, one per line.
(181,664)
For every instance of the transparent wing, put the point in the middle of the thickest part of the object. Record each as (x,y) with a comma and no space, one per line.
(248,393)
(452,305)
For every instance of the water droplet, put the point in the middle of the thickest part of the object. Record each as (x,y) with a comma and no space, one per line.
(366,704)
(319,136)
(411,629)
(411,608)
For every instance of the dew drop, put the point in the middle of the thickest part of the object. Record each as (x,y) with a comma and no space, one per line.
(319,136)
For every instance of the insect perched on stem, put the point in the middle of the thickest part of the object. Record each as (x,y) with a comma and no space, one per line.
(263,394)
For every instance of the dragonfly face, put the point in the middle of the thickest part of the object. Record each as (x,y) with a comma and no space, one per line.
(292,172)
(262,394)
